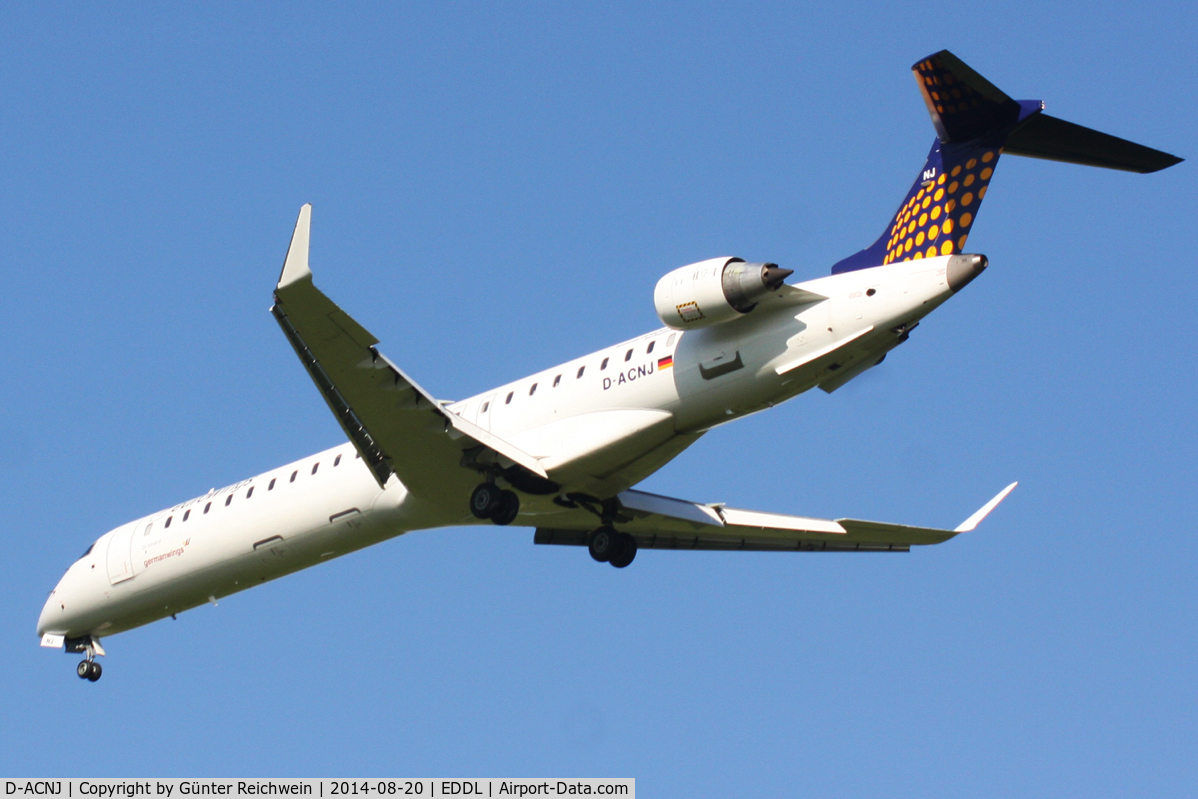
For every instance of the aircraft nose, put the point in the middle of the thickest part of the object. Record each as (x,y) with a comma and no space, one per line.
(60,607)
(44,619)
(964,268)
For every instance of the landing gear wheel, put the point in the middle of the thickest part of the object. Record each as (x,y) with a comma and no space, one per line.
(485,501)
(94,672)
(83,669)
(625,553)
(509,506)
(603,544)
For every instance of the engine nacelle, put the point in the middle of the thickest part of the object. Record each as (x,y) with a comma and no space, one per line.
(714,291)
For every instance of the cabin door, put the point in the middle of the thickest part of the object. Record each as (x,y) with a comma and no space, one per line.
(120,552)
(483,419)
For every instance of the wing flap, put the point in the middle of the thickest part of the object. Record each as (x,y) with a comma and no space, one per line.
(728,543)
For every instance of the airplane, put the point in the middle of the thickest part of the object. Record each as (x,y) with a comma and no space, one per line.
(561,450)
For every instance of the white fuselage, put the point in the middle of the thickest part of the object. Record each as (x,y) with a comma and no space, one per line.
(598,424)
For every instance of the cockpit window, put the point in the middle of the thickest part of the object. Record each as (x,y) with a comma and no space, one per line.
(89,550)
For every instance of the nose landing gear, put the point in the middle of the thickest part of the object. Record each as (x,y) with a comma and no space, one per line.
(88,669)
(489,501)
(608,546)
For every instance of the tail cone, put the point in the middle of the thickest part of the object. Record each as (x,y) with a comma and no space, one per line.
(964,268)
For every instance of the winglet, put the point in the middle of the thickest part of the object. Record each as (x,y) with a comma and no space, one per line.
(295,268)
(974,520)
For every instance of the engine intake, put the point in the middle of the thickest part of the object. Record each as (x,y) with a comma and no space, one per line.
(714,291)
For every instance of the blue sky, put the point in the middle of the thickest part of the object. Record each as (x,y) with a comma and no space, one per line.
(497,188)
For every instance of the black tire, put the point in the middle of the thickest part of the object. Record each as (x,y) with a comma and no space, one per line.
(603,544)
(509,507)
(485,500)
(83,669)
(94,672)
(627,552)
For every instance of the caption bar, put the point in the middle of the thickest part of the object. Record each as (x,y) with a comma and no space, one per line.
(318,788)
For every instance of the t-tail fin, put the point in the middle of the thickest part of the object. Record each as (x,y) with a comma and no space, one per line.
(976,123)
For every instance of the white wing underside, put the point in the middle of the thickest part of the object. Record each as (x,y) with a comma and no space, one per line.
(659,522)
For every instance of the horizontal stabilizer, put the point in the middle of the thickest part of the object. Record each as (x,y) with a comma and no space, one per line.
(1043,136)
(963,104)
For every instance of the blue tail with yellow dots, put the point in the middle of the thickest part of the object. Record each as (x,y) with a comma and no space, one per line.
(975,124)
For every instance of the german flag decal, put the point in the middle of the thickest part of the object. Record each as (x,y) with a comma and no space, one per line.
(665,363)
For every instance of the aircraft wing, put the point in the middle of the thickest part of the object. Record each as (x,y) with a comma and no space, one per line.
(658,522)
(396,425)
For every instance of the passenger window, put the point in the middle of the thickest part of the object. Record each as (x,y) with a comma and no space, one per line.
(228,499)
(293,474)
(271,487)
(208,507)
(168,521)
(650,347)
(485,406)
(186,514)
(357,455)
(532,390)
(581,369)
(557,380)
(315,466)
(628,355)
(149,527)
(337,460)
(249,493)
(670,340)
(508,401)
(603,365)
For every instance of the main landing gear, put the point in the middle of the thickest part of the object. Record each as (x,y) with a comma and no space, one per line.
(608,546)
(489,501)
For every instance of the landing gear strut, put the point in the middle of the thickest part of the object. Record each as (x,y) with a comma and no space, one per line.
(608,546)
(489,501)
